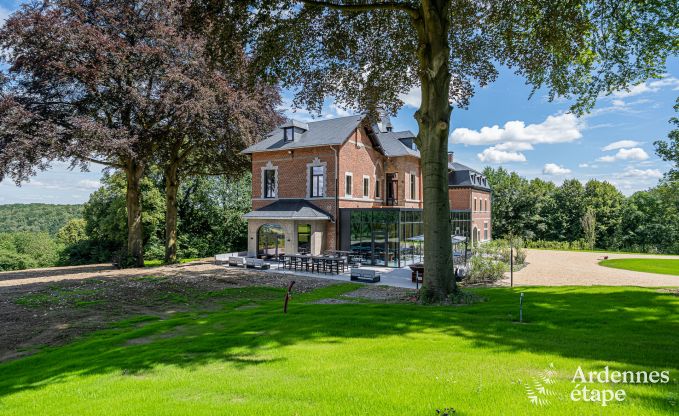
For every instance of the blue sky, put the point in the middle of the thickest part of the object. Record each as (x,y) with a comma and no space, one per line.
(502,127)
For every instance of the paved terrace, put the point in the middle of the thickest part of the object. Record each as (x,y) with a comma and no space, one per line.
(389,276)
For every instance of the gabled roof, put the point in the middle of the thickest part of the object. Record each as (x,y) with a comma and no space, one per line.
(393,146)
(462,176)
(334,131)
(291,209)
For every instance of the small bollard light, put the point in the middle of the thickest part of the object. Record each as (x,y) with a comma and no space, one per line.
(521,308)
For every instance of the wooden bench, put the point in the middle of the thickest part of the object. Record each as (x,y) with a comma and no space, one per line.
(252,263)
(365,275)
(237,261)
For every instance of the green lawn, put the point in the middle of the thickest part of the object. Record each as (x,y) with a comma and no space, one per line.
(247,358)
(662,266)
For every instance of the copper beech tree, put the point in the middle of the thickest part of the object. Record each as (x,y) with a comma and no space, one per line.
(120,83)
(366,53)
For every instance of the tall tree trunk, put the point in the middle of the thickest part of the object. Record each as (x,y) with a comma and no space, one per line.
(433,118)
(171,189)
(135,244)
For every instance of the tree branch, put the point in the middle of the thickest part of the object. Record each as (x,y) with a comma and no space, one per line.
(386,5)
(101,162)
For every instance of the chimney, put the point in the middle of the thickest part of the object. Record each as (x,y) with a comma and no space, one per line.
(384,123)
(450,157)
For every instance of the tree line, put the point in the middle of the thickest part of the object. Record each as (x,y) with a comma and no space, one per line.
(209,221)
(181,84)
(36,217)
(585,216)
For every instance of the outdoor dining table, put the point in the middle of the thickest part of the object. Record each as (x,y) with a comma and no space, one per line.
(318,264)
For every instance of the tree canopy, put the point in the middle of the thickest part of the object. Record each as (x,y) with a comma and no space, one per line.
(121,83)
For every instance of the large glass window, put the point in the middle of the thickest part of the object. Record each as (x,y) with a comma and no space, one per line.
(317,181)
(366,187)
(270,183)
(304,238)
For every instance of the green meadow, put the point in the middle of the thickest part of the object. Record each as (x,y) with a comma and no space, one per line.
(243,356)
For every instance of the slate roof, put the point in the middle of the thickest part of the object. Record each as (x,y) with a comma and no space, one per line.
(462,176)
(291,209)
(393,146)
(334,131)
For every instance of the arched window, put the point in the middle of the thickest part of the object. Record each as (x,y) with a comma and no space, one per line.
(270,241)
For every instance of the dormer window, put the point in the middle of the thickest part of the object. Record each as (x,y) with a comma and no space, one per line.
(293,130)
(288,134)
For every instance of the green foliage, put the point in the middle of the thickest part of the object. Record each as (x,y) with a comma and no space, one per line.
(73,232)
(11,260)
(669,150)
(36,217)
(211,215)
(558,245)
(550,216)
(485,268)
(22,250)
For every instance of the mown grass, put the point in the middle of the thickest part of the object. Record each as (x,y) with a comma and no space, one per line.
(662,266)
(248,358)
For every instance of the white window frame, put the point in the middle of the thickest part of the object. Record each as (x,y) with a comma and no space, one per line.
(412,186)
(474,204)
(269,166)
(351,191)
(316,163)
(378,191)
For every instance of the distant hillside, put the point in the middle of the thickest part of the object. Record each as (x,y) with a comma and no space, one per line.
(37,217)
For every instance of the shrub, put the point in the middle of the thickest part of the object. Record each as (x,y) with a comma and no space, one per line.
(11,260)
(483,268)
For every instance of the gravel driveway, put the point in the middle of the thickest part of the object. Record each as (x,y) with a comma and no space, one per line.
(561,268)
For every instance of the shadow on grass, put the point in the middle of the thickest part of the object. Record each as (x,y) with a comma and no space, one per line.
(630,326)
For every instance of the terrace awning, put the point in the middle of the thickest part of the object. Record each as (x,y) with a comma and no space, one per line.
(289,209)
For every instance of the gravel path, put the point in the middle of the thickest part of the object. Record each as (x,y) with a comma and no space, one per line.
(562,268)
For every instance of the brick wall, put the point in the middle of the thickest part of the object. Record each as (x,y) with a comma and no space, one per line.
(360,159)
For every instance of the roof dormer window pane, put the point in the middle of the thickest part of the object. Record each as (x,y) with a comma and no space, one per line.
(288,134)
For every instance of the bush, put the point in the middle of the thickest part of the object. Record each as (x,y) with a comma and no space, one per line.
(483,268)
(11,260)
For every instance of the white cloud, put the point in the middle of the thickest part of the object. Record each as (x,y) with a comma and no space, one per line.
(495,155)
(641,173)
(89,184)
(413,98)
(648,86)
(559,128)
(635,153)
(620,144)
(554,169)
(514,146)
(583,165)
